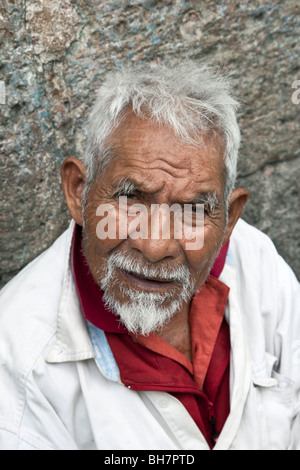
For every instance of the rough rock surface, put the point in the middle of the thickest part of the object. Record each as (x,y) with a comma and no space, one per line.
(53,56)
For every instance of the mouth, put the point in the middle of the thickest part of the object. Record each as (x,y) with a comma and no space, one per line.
(145,283)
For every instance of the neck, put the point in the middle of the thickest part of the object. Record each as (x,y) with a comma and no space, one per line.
(177,332)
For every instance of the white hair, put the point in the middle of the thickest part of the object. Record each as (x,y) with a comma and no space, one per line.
(189,98)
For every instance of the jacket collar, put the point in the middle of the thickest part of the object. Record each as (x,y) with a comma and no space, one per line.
(72,338)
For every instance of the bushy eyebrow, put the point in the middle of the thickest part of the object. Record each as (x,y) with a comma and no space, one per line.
(208,198)
(123,187)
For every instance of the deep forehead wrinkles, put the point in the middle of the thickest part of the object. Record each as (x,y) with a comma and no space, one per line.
(160,164)
(153,152)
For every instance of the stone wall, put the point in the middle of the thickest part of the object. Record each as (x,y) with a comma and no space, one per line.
(54,55)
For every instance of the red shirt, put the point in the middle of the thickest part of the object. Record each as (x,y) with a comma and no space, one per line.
(150,363)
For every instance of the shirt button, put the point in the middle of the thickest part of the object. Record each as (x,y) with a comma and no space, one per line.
(164,402)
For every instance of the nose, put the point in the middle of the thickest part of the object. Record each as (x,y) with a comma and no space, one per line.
(156,239)
(155,250)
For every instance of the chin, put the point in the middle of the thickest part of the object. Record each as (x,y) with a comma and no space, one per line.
(144,313)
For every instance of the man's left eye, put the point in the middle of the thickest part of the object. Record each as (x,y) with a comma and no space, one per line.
(199,207)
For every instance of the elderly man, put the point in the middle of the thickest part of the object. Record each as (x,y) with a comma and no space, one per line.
(120,338)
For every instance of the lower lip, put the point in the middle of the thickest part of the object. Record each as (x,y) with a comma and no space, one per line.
(147,284)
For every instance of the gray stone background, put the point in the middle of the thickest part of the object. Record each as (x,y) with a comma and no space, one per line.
(53,56)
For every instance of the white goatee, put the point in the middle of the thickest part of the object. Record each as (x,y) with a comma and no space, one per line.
(144,312)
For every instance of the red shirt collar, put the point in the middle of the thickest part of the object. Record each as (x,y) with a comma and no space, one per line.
(92,304)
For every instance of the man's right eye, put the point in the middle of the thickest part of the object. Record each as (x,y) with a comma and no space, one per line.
(131,195)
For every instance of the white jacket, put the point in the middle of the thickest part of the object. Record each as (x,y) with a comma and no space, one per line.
(60,386)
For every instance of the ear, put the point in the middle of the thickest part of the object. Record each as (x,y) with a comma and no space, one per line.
(238,199)
(73,175)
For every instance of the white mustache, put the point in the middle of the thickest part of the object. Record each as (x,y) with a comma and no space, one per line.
(125,262)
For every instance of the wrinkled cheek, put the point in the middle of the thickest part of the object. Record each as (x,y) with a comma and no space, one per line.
(202,263)
(95,252)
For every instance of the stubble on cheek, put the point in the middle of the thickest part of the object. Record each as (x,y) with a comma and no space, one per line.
(94,257)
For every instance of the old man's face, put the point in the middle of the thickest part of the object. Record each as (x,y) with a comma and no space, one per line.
(148,280)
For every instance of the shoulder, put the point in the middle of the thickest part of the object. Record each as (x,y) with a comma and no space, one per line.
(29,304)
(255,256)
(268,291)
(36,288)
(247,239)
(255,253)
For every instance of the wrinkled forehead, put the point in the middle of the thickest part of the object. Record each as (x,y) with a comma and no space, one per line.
(144,146)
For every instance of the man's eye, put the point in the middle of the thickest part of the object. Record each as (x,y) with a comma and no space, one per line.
(198,207)
(131,196)
(125,194)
